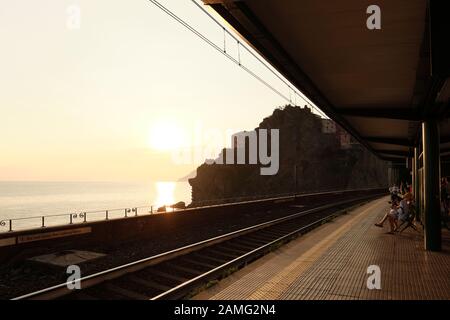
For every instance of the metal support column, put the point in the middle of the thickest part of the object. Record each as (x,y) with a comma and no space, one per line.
(432,194)
(415,182)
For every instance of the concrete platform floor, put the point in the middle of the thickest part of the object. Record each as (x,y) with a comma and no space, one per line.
(332,262)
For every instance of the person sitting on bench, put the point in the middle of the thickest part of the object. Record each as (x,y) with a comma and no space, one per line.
(403,213)
(391,215)
(407,214)
(395,199)
(394,190)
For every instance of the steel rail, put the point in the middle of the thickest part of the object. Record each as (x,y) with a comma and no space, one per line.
(73,217)
(119,271)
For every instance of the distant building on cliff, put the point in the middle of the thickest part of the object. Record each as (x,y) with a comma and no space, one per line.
(345,139)
(328,126)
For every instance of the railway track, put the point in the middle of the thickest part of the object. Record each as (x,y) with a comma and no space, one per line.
(181,272)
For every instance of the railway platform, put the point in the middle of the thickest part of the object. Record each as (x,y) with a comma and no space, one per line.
(336,260)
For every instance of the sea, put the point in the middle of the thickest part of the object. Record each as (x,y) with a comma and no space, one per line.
(25,203)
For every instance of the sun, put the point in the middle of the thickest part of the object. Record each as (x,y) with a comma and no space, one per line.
(166,136)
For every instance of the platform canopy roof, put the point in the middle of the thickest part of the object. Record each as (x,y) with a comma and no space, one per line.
(378,84)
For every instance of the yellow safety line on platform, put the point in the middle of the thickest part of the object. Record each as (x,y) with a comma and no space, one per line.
(278,284)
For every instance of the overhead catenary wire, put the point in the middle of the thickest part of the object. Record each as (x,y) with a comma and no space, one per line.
(301,95)
(224,51)
(212,44)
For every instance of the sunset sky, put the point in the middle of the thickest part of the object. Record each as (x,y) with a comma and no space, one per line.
(94,103)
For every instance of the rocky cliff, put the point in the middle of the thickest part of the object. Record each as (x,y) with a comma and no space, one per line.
(312,157)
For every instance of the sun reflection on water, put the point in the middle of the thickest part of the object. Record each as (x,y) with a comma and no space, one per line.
(165,193)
